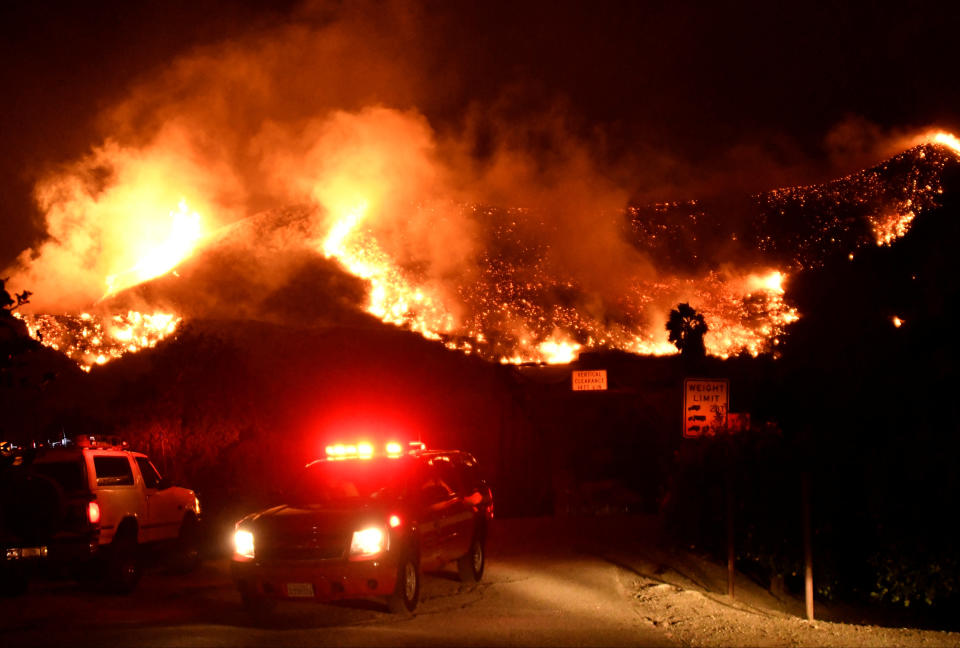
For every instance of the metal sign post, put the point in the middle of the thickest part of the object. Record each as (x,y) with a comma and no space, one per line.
(807,546)
(706,403)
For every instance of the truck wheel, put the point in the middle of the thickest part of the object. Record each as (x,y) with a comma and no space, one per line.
(123,567)
(187,556)
(407,594)
(471,564)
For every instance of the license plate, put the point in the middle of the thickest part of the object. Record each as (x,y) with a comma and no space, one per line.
(300,590)
(33,552)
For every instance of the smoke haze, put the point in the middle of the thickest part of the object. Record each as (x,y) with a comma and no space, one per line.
(320,110)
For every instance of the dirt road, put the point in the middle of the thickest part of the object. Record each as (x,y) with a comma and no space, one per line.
(553,582)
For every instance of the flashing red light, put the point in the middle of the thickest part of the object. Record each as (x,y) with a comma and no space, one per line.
(93,513)
(365,450)
(341,451)
(394,448)
(394,521)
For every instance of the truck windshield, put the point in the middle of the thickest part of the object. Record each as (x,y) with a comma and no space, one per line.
(351,480)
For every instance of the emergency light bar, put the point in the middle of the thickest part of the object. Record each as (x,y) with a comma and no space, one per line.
(107,442)
(365,450)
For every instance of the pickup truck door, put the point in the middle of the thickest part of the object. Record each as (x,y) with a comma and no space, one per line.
(435,499)
(164,510)
(457,521)
(118,492)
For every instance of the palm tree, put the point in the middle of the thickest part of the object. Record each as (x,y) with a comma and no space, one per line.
(687,328)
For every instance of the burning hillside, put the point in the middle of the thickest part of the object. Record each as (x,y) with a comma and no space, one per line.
(92,340)
(507,295)
(296,173)
(799,227)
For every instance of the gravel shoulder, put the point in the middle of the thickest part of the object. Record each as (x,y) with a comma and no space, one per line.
(685,596)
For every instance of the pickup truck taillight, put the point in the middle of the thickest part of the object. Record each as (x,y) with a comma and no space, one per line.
(93,513)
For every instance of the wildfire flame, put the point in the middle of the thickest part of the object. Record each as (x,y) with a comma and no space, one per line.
(514,306)
(513,318)
(90,340)
(185,233)
(559,350)
(393,298)
(944,139)
(894,223)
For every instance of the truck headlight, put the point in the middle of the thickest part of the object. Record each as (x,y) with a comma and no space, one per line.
(243,544)
(368,543)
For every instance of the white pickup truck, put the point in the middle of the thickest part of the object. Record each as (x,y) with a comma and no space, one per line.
(94,510)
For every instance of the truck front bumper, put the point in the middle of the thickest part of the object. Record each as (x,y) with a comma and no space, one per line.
(316,580)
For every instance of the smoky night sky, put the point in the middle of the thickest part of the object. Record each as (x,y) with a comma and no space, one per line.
(666,100)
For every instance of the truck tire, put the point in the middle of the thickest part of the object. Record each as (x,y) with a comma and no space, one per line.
(123,564)
(407,594)
(186,556)
(470,565)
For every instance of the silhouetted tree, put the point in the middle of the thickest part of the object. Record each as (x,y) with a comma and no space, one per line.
(14,338)
(687,328)
(6,301)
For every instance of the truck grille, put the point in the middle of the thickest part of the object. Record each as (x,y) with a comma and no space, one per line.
(311,548)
